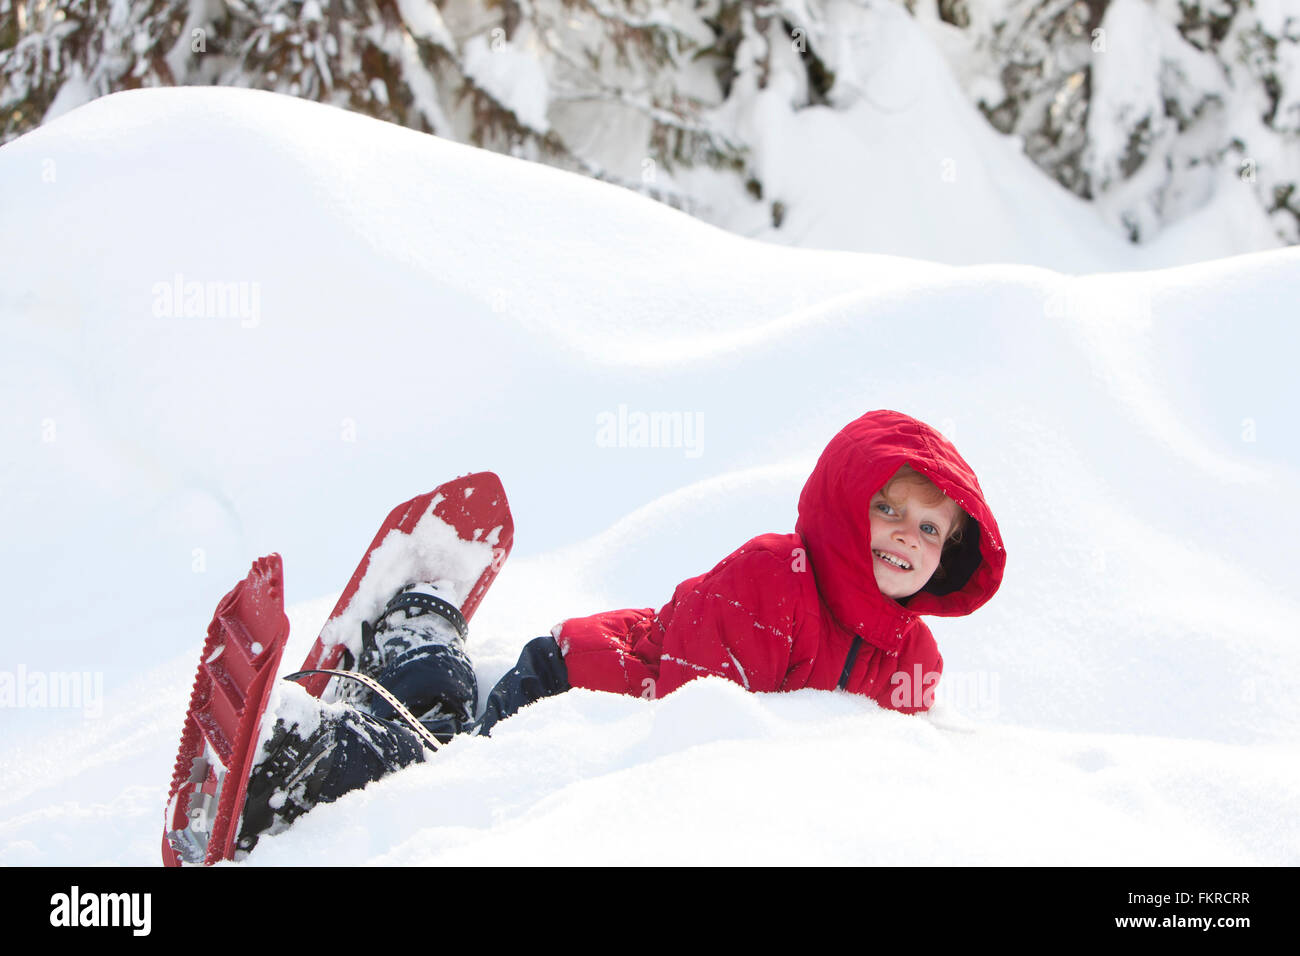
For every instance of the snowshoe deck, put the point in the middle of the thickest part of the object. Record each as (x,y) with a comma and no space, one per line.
(236,669)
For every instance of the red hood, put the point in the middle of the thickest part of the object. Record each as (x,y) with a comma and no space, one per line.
(834,523)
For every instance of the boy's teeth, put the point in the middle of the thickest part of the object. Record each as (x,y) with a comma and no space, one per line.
(893,560)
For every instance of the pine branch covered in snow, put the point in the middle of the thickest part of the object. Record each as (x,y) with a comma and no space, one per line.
(57,55)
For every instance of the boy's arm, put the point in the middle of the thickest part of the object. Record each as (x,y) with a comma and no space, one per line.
(737,622)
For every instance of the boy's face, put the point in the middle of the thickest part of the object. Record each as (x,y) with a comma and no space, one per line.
(907,539)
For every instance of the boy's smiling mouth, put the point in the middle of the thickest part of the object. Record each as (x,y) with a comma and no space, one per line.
(892,560)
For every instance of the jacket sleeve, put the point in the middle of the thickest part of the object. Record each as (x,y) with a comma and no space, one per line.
(610,651)
(910,688)
(737,622)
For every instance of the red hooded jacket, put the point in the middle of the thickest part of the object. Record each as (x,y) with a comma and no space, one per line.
(786,611)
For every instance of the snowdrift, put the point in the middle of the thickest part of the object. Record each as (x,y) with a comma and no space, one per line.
(235,323)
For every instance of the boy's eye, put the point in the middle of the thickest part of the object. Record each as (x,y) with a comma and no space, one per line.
(927,527)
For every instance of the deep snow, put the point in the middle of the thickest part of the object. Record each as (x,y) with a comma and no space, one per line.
(416,309)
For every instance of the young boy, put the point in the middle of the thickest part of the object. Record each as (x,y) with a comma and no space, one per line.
(892,525)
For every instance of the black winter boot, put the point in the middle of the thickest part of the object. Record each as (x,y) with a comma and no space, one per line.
(417,651)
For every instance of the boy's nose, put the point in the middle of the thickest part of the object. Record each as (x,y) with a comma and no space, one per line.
(907,536)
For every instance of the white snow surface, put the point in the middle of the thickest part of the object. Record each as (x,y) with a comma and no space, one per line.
(431,552)
(402,309)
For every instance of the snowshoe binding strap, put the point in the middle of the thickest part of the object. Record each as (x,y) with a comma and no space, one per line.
(429,739)
(428,602)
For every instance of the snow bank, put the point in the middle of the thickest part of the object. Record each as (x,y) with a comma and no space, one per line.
(425,309)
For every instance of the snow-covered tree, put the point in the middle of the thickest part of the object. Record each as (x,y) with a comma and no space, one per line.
(1140,106)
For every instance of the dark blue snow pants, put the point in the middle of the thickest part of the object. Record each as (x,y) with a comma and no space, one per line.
(444,677)
(358,745)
